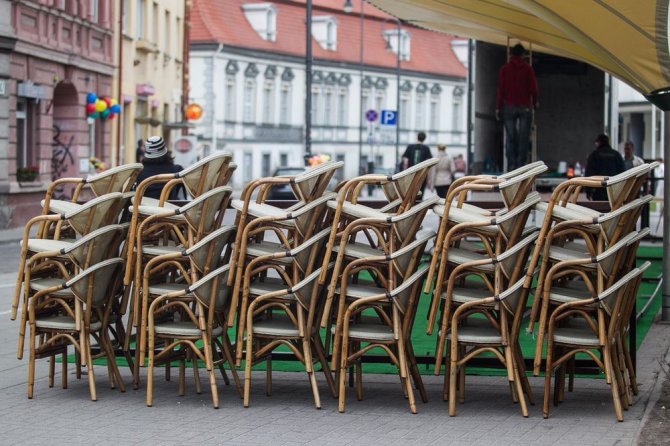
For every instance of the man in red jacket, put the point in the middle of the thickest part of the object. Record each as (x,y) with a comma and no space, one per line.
(517,94)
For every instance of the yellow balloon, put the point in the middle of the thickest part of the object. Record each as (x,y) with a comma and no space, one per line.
(113,101)
(100,105)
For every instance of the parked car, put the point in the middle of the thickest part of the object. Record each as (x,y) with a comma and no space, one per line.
(284,191)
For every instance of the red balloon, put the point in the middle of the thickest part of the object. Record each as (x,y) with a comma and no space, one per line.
(107,101)
(90,108)
(110,116)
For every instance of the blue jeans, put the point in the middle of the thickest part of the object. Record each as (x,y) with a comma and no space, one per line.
(518,136)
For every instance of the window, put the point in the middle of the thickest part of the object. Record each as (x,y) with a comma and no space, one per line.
(248,167)
(167,34)
(269,102)
(456,115)
(265,165)
(404,111)
(328,107)
(379,101)
(230,99)
(25,143)
(93,10)
(339,173)
(285,104)
(283,160)
(420,110)
(154,22)
(248,107)
(316,105)
(365,104)
(398,41)
(434,113)
(179,40)
(270,24)
(342,100)
(324,31)
(139,17)
(124,17)
(263,19)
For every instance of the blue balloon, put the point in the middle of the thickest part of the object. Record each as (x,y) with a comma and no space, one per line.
(91,98)
(116,108)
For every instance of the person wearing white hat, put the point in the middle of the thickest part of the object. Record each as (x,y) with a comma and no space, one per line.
(157,160)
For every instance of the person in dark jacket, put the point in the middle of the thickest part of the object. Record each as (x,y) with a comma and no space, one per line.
(605,161)
(516,96)
(415,154)
(157,160)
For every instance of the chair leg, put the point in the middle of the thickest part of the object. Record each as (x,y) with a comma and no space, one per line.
(247,366)
(519,391)
(309,367)
(52,370)
(150,371)
(318,347)
(31,362)
(63,364)
(614,385)
(227,353)
(111,359)
(207,350)
(343,374)
(268,375)
(453,378)
(358,373)
(547,379)
(415,373)
(86,350)
(402,359)
(182,378)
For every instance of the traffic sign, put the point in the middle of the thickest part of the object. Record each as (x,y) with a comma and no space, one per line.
(388,117)
(371,115)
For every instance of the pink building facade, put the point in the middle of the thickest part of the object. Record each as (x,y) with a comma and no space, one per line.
(55,52)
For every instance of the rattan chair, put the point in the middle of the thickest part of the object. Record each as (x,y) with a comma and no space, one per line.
(198,314)
(287,317)
(99,212)
(57,321)
(496,333)
(391,333)
(571,330)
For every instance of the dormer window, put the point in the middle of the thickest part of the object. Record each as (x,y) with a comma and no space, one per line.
(263,19)
(398,40)
(324,31)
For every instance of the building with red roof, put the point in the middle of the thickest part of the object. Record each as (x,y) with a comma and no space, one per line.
(247,70)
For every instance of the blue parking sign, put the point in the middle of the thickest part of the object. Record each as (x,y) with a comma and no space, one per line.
(388,117)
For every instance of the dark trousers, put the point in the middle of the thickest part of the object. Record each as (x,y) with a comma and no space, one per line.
(517,121)
(442,191)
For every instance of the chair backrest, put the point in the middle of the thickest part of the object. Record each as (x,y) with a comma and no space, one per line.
(610,260)
(116,179)
(312,183)
(520,170)
(95,247)
(405,259)
(203,213)
(307,289)
(512,223)
(206,174)
(514,190)
(619,221)
(214,282)
(305,255)
(206,253)
(406,294)
(617,298)
(620,187)
(511,298)
(309,218)
(95,214)
(406,224)
(408,182)
(98,283)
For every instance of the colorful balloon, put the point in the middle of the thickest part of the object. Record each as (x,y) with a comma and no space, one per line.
(116,108)
(100,105)
(91,98)
(90,108)
(94,115)
(105,113)
(107,101)
(114,101)
(111,115)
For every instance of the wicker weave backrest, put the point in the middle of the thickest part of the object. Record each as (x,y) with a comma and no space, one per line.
(201,213)
(206,253)
(95,214)
(206,174)
(95,247)
(402,295)
(214,282)
(99,282)
(116,179)
(312,183)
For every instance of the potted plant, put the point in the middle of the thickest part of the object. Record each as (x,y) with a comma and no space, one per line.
(27,174)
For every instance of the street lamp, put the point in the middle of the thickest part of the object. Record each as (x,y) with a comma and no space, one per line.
(348,8)
(308,82)
(397,92)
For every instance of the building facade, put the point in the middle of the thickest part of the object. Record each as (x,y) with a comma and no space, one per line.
(52,53)
(247,71)
(150,36)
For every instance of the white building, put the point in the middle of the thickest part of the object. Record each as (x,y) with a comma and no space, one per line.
(247,70)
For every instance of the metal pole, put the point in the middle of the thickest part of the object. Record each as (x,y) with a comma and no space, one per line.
(397,99)
(470,91)
(308,82)
(665,311)
(119,93)
(360,94)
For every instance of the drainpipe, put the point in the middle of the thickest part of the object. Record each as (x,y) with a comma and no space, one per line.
(184,65)
(119,92)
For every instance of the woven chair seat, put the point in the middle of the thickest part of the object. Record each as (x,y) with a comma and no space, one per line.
(65,323)
(264,248)
(562,253)
(262,210)
(360,291)
(164,288)
(48,282)
(460,215)
(581,335)
(358,210)
(569,212)
(153,202)
(159,250)
(46,245)
(459,256)
(371,331)
(359,250)
(280,327)
(477,334)
(472,290)
(268,285)
(182,328)
(568,294)
(155,210)
(62,206)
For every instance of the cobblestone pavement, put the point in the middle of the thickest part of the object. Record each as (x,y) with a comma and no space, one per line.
(59,416)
